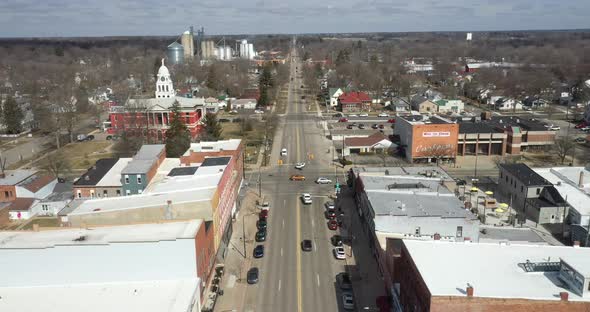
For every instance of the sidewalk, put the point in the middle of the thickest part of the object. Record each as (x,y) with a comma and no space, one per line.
(363,268)
(237,262)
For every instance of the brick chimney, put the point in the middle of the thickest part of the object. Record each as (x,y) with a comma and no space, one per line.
(469,291)
(564,295)
(436,236)
(581,180)
(576,244)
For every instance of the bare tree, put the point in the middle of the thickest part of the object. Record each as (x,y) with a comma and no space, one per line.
(439,152)
(563,147)
(56,164)
(549,109)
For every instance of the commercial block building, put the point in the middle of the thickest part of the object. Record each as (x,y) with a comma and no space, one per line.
(147,267)
(447,276)
(424,138)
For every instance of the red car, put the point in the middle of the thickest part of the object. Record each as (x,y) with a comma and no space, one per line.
(381,126)
(332,225)
(263,215)
(581,125)
(391,120)
(343,120)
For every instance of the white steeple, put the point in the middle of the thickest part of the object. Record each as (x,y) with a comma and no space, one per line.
(164,87)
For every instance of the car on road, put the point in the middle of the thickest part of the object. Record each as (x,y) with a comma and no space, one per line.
(352,115)
(259,251)
(347,301)
(109,137)
(361,126)
(349,127)
(297,177)
(343,281)
(261,235)
(553,127)
(391,120)
(261,224)
(306,198)
(330,214)
(339,253)
(585,129)
(329,205)
(580,140)
(375,126)
(264,206)
(343,119)
(581,125)
(364,115)
(381,126)
(383,115)
(284,152)
(336,240)
(322,180)
(263,215)
(253,276)
(306,245)
(332,225)
(299,165)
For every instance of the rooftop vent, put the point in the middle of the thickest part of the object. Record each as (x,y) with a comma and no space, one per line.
(80,239)
(547,266)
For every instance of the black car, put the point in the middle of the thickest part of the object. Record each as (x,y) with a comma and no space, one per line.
(259,251)
(343,280)
(349,127)
(253,276)
(261,224)
(375,126)
(361,126)
(261,236)
(330,214)
(109,137)
(90,138)
(306,245)
(336,240)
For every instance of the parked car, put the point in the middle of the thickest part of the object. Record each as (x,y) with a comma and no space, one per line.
(361,126)
(586,129)
(90,138)
(552,127)
(81,137)
(283,152)
(383,115)
(580,140)
(364,115)
(109,137)
(259,251)
(322,180)
(352,115)
(258,111)
(306,245)
(336,240)
(339,253)
(264,206)
(297,177)
(253,276)
(375,126)
(332,225)
(347,301)
(330,214)
(261,224)
(349,127)
(343,119)
(343,281)
(391,120)
(261,235)
(306,198)
(329,205)
(581,125)
(381,126)
(299,165)
(263,215)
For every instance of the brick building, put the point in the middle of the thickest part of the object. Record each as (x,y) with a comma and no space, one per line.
(489,277)
(151,117)
(426,138)
(354,101)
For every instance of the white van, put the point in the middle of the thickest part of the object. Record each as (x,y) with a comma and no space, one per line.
(284,152)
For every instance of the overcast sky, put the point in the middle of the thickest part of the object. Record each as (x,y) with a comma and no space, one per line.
(33,18)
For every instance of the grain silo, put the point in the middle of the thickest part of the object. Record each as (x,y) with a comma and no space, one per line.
(187,43)
(228,54)
(175,53)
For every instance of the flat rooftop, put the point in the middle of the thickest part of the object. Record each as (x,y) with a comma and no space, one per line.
(154,232)
(214,146)
(423,119)
(493,269)
(399,182)
(145,296)
(415,204)
(576,197)
(13,177)
(417,171)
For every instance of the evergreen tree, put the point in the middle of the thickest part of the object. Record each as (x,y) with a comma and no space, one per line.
(178,139)
(12,116)
(212,127)
(263,100)
(212,82)
(266,80)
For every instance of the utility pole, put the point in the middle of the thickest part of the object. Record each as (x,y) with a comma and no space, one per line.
(259,184)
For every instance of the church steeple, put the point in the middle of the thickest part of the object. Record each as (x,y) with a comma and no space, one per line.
(164,87)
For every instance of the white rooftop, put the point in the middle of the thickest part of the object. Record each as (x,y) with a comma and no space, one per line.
(204,177)
(164,104)
(216,146)
(12,177)
(113,176)
(492,269)
(100,235)
(145,296)
(568,188)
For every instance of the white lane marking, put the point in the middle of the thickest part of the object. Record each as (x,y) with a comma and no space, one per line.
(318,278)
(279,285)
(283,223)
(312,223)
(281,251)
(284,203)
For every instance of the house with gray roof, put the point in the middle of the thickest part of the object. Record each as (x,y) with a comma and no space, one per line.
(139,172)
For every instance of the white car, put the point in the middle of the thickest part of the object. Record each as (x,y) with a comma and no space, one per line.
(347,301)
(364,115)
(353,115)
(330,205)
(299,165)
(284,152)
(383,115)
(258,111)
(306,198)
(339,253)
(554,128)
(264,206)
(323,181)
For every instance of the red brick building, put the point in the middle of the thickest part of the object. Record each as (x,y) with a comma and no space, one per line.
(447,276)
(355,101)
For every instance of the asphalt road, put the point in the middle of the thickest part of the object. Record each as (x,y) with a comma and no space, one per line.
(291,279)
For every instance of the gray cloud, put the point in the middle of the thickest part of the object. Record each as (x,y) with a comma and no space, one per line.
(152,17)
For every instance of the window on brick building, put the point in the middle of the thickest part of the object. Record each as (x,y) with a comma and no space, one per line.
(6,194)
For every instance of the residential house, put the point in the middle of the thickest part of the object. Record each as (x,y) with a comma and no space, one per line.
(55,202)
(20,208)
(355,101)
(450,106)
(86,185)
(506,103)
(211,105)
(423,105)
(141,169)
(9,180)
(400,106)
(333,95)
(241,104)
(532,196)
(375,143)
(534,102)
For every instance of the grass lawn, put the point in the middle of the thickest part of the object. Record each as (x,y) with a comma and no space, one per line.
(42,222)
(84,154)
(252,154)
(231,130)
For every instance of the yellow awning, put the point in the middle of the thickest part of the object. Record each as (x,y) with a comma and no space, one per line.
(474,189)
(489,193)
(503,205)
(500,210)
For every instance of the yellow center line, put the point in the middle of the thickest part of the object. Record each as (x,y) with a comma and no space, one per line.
(298,208)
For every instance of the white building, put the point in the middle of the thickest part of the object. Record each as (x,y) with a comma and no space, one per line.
(148,267)
(450,106)
(244,104)
(334,94)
